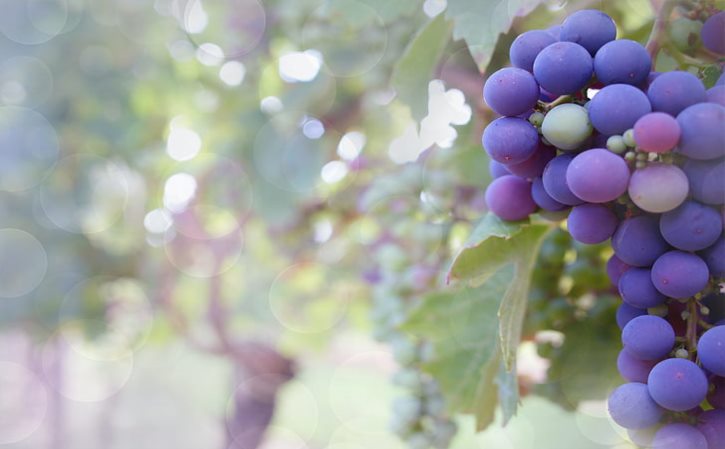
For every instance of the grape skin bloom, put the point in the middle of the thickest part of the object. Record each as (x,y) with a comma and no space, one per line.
(597,176)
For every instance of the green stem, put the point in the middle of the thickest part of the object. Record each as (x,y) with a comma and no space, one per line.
(659,30)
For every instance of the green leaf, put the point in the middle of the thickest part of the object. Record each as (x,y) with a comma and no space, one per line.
(462,326)
(415,69)
(481,22)
(492,244)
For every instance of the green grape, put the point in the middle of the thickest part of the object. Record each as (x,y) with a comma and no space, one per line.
(684,33)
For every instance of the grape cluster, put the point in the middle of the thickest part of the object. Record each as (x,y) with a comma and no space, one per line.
(638,157)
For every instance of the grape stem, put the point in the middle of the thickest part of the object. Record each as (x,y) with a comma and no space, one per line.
(561,100)
(693,319)
(659,29)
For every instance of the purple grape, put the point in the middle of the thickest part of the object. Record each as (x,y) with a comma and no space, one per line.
(657,132)
(631,406)
(509,197)
(672,92)
(712,426)
(527,46)
(534,166)
(702,136)
(626,313)
(679,436)
(563,68)
(716,397)
(711,350)
(497,169)
(658,187)
(511,91)
(713,33)
(633,369)
(648,337)
(637,241)
(617,107)
(543,199)
(591,223)
(589,28)
(597,176)
(678,274)
(636,288)
(616,268)
(716,94)
(555,183)
(510,140)
(691,227)
(721,81)
(714,257)
(706,180)
(622,61)
(677,384)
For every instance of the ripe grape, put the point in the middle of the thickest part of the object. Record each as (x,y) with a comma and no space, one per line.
(533,166)
(543,199)
(555,180)
(510,140)
(509,197)
(678,274)
(622,61)
(633,369)
(657,132)
(648,337)
(527,46)
(658,187)
(713,33)
(677,384)
(626,313)
(497,169)
(511,91)
(637,241)
(714,257)
(711,350)
(631,406)
(636,288)
(597,176)
(712,426)
(617,107)
(591,223)
(672,92)
(616,268)
(716,94)
(702,133)
(563,68)
(679,436)
(589,28)
(567,126)
(691,227)
(706,180)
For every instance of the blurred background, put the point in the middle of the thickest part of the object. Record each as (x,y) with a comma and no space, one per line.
(212,214)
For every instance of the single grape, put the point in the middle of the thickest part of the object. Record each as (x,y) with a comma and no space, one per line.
(511,91)
(533,167)
(648,337)
(702,131)
(633,369)
(628,138)
(617,107)
(716,397)
(679,436)
(713,33)
(527,46)
(712,425)
(636,288)
(589,28)
(510,140)
(714,257)
(716,94)
(677,384)
(626,313)
(622,61)
(706,180)
(563,68)
(616,268)
(685,33)
(678,274)
(497,169)
(591,223)
(657,132)
(658,187)
(631,406)
(567,126)
(616,144)
(509,197)
(536,119)
(597,176)
(637,241)
(691,227)
(543,199)
(711,350)
(555,183)
(672,92)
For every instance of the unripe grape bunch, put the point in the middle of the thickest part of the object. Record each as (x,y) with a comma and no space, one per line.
(588,129)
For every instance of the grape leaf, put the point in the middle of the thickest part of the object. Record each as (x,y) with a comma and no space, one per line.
(481,22)
(415,69)
(462,326)
(492,244)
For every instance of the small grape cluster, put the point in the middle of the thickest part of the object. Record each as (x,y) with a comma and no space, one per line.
(637,157)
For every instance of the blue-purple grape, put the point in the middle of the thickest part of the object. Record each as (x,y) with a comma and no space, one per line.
(597,176)
(589,28)
(497,169)
(714,257)
(631,406)
(626,313)
(591,223)
(633,369)
(672,92)
(711,350)
(563,68)
(637,241)
(555,183)
(533,167)
(636,288)
(713,33)
(702,136)
(691,227)
(679,436)
(648,337)
(527,46)
(622,62)
(677,384)
(511,91)
(509,197)
(678,274)
(617,107)
(658,187)
(712,425)
(543,199)
(615,269)
(510,140)
(716,94)
(706,180)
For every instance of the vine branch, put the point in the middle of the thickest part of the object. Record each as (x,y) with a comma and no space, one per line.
(663,9)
